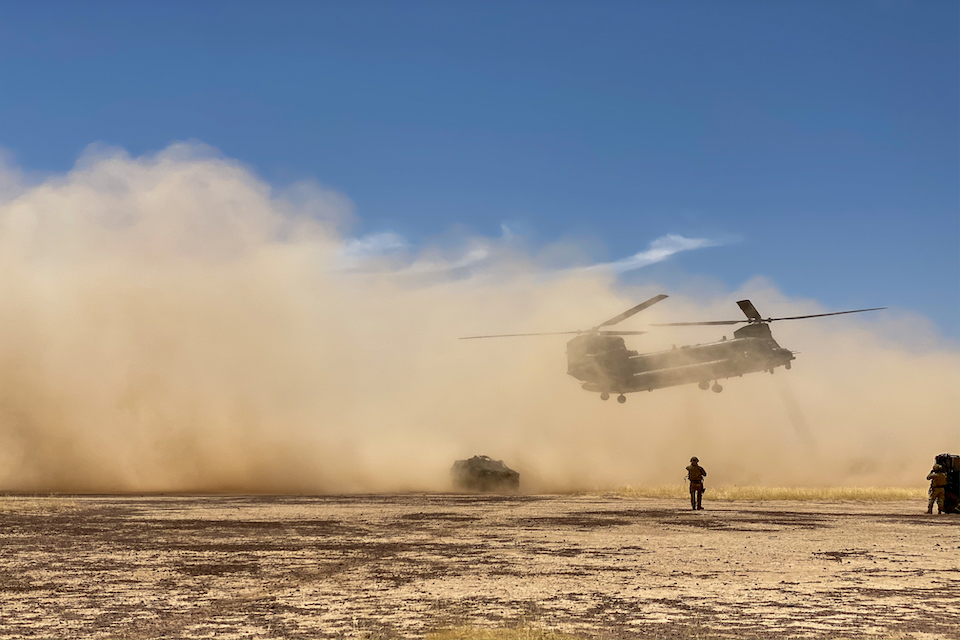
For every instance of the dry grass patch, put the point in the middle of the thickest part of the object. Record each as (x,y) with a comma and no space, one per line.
(35,504)
(815,494)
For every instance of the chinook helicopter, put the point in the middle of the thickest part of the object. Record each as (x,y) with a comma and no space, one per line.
(600,359)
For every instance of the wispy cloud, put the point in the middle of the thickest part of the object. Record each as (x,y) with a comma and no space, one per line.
(356,251)
(473,256)
(391,253)
(658,251)
(367,253)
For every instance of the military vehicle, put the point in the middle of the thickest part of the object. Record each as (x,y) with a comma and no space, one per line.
(481,473)
(951,466)
(600,359)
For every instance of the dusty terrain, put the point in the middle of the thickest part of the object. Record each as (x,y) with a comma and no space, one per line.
(405,565)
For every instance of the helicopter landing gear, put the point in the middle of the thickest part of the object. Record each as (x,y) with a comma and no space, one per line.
(604,396)
(621,398)
(704,385)
(787,366)
(716,387)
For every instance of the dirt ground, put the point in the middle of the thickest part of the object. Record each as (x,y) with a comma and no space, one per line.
(395,566)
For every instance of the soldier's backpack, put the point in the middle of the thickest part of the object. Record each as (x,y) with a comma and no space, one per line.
(695,473)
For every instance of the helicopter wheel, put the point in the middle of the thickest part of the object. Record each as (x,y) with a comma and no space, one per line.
(717,388)
(787,366)
(621,398)
(704,385)
(604,396)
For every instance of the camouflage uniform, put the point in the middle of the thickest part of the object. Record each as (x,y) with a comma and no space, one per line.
(696,474)
(938,488)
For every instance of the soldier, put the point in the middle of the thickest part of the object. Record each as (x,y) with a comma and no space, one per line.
(696,474)
(938,488)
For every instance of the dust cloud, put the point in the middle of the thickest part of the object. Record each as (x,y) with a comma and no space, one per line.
(172,323)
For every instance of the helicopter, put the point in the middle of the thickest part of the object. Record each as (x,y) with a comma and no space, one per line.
(599,357)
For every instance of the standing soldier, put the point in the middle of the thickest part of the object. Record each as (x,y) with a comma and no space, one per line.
(696,474)
(938,488)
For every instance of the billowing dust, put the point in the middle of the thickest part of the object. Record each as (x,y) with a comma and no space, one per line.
(171,323)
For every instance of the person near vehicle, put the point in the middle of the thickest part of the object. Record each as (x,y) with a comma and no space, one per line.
(938,488)
(696,474)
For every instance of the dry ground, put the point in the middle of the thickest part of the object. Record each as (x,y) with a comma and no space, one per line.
(407,565)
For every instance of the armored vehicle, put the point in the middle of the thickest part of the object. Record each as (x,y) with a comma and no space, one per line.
(481,473)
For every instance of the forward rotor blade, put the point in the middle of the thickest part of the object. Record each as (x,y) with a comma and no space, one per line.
(621,333)
(698,324)
(820,315)
(629,312)
(520,335)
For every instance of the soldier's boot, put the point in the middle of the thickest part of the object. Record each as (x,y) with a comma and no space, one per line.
(930,510)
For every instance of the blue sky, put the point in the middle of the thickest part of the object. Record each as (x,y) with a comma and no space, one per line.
(814,143)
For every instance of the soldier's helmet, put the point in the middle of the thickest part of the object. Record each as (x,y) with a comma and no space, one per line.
(938,467)
(694,459)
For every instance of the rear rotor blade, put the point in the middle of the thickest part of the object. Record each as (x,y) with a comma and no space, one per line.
(629,312)
(749,310)
(698,324)
(759,319)
(520,335)
(820,315)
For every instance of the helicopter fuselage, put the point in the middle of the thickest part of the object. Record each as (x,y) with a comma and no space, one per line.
(604,365)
